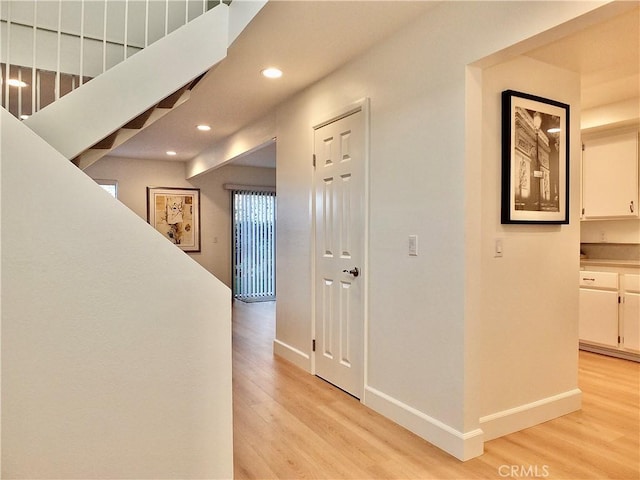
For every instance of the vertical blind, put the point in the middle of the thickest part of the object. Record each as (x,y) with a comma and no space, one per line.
(254,245)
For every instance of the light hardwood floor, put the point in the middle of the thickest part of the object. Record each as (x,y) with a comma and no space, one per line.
(289,424)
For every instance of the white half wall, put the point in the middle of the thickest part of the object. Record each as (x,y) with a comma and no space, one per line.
(116,347)
(527,316)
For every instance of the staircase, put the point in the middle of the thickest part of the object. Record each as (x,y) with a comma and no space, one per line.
(102,114)
(135,126)
(116,346)
(81,124)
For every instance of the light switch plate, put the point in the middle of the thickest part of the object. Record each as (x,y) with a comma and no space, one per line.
(413,245)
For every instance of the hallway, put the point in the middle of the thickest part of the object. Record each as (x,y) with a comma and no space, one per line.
(289,424)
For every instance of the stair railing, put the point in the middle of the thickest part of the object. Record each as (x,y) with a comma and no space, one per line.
(49,48)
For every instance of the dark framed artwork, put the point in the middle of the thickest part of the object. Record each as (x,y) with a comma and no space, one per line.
(535,159)
(175,213)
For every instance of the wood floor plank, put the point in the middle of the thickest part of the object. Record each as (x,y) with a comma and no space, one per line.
(291,425)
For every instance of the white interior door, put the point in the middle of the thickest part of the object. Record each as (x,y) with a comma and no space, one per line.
(339,181)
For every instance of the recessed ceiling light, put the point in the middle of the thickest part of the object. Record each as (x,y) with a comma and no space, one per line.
(203,128)
(171,153)
(13,82)
(272,72)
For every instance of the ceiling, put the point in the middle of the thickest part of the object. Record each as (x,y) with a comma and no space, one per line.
(606,55)
(309,40)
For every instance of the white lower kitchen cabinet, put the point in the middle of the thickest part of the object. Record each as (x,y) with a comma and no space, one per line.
(599,308)
(609,320)
(631,312)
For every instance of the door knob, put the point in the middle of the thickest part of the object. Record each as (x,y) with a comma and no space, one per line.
(354,271)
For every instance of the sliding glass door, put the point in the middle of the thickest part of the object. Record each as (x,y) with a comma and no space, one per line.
(254,245)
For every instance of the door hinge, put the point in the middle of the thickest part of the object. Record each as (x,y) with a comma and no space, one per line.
(583,147)
(620,299)
(313,345)
(583,211)
(314,160)
(619,339)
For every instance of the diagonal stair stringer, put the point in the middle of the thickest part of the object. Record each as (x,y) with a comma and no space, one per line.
(133,127)
(99,108)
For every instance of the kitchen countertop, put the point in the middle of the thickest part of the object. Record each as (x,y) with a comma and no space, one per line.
(603,262)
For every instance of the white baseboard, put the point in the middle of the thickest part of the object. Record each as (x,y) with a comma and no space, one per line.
(292,354)
(463,446)
(524,416)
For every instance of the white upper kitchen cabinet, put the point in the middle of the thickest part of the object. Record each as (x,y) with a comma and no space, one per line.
(610,176)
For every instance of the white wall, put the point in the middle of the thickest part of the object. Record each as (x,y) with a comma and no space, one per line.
(426,359)
(528,312)
(420,349)
(116,348)
(134,176)
(430,323)
(615,231)
(616,115)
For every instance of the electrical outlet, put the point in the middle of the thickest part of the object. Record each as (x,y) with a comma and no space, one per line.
(603,237)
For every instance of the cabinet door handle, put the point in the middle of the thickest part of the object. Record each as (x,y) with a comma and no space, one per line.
(631,208)
(588,279)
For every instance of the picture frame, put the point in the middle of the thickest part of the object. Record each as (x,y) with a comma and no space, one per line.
(175,213)
(535,159)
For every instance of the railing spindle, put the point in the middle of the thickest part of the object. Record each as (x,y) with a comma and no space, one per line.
(126,29)
(59,53)
(1,66)
(146,24)
(166,17)
(7,67)
(81,42)
(104,38)
(35,55)
(38,90)
(19,92)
